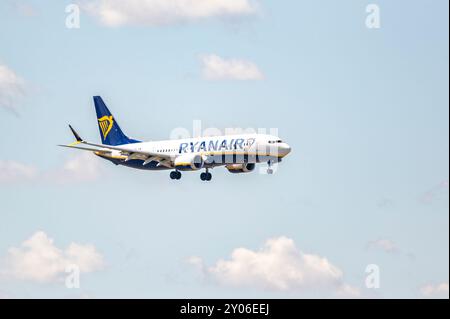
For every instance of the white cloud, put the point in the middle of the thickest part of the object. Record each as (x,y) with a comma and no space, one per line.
(348,291)
(12,88)
(384,244)
(435,290)
(436,193)
(39,260)
(83,167)
(11,171)
(278,266)
(114,13)
(217,68)
(25,8)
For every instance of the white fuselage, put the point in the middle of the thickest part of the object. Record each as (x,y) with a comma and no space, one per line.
(213,150)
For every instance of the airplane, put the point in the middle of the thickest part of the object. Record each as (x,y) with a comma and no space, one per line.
(238,153)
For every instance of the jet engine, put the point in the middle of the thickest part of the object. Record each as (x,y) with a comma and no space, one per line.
(241,168)
(189,162)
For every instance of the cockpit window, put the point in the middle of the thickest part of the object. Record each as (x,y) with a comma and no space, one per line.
(275,142)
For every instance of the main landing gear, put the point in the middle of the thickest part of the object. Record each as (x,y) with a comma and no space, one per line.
(206,176)
(175,175)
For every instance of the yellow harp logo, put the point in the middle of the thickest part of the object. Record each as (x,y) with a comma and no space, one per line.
(106,124)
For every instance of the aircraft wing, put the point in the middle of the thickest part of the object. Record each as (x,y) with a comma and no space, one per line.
(128,150)
(164,159)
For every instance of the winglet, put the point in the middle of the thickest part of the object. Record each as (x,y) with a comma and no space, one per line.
(77,137)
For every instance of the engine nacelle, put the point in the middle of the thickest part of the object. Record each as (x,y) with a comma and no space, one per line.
(241,168)
(189,162)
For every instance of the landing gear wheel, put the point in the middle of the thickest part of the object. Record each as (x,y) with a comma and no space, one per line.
(269,169)
(205,176)
(175,175)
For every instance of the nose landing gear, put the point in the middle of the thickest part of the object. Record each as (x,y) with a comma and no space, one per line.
(269,168)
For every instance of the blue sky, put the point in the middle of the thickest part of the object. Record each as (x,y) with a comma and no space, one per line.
(365,111)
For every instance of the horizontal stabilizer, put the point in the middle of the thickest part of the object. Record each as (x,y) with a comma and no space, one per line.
(85,148)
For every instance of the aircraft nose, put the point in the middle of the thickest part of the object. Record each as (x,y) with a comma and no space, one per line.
(285,149)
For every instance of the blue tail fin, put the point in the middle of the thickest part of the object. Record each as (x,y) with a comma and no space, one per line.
(110,132)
